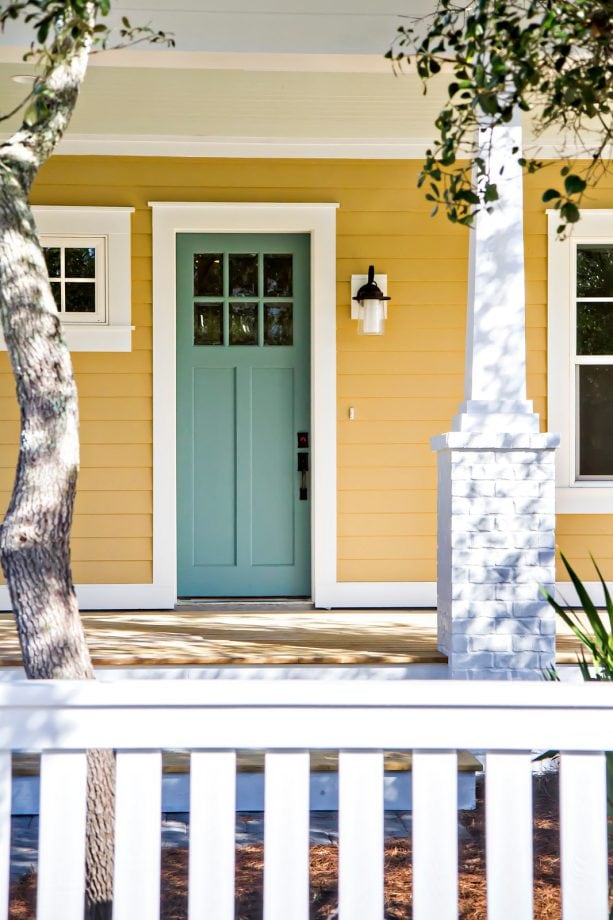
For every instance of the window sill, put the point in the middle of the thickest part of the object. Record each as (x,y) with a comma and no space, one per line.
(90,337)
(584,499)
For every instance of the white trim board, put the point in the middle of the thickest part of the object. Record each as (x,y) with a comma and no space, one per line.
(331,595)
(344,148)
(319,221)
(354,595)
(245,147)
(573,496)
(282,61)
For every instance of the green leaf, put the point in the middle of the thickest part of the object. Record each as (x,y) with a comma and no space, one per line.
(574,185)
(570,212)
(550,194)
(491,193)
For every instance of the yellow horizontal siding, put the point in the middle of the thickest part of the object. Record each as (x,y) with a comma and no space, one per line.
(404,387)
(386,501)
(387,570)
(387,524)
(120,572)
(377,456)
(109,525)
(400,385)
(366,479)
(386,547)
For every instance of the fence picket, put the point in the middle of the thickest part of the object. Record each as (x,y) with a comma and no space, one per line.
(583,836)
(138,832)
(360,835)
(435,835)
(61,836)
(5,830)
(286,836)
(508,815)
(212,835)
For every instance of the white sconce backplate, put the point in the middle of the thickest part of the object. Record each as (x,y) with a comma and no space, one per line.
(356,283)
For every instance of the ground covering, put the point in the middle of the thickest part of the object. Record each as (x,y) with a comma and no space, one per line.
(324,864)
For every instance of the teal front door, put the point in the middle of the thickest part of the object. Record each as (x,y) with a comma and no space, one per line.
(243,390)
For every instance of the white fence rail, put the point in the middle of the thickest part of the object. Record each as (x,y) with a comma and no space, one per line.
(287,719)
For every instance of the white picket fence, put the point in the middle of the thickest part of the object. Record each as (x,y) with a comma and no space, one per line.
(288,719)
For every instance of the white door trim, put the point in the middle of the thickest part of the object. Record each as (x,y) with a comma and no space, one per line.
(319,221)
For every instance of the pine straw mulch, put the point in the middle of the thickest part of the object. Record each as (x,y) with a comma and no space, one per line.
(324,866)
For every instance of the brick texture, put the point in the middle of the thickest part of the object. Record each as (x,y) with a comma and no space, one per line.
(496,539)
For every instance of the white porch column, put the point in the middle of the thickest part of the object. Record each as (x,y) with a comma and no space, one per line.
(496,481)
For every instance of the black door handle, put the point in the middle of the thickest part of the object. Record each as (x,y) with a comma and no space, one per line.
(303,468)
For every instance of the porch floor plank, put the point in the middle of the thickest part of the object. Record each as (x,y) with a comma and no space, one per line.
(193,638)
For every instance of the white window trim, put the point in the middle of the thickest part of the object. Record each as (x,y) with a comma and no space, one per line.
(573,496)
(113,225)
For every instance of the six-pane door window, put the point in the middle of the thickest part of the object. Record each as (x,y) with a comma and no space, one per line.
(594,361)
(243,299)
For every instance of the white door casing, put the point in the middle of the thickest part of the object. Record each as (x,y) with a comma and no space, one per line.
(319,220)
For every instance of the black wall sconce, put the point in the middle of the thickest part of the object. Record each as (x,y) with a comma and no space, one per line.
(369,302)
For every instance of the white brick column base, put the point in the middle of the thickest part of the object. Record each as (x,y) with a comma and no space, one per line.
(496,547)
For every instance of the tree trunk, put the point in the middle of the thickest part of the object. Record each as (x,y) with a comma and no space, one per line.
(35,534)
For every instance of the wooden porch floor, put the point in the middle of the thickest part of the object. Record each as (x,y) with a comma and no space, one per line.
(195,637)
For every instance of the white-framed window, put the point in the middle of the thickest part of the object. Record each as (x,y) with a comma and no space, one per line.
(87,250)
(580,361)
(77,273)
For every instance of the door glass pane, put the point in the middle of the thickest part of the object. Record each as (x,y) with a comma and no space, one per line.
(595,328)
(56,290)
(53,260)
(80,297)
(208,274)
(596,420)
(80,262)
(243,324)
(278,276)
(278,324)
(243,274)
(595,271)
(208,324)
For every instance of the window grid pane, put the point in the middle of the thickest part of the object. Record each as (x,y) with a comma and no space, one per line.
(72,270)
(594,270)
(259,278)
(593,362)
(595,421)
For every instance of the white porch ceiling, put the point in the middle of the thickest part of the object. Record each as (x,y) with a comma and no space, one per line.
(297,26)
(249,73)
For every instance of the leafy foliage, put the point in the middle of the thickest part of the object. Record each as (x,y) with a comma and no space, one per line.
(599,642)
(553,58)
(599,639)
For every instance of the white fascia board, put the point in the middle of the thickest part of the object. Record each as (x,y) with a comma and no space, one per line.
(345,148)
(244,147)
(280,147)
(231,60)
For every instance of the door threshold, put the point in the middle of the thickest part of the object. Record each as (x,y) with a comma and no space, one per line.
(245,604)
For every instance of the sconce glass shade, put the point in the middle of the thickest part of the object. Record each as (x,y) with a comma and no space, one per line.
(372,306)
(372,317)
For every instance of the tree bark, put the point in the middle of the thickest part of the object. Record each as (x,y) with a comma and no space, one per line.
(35,534)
